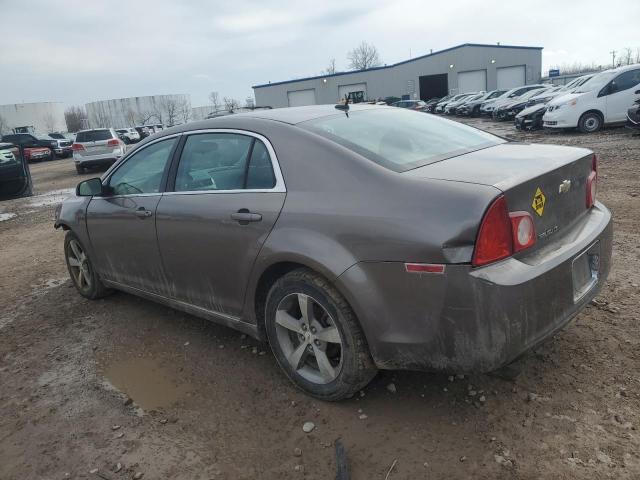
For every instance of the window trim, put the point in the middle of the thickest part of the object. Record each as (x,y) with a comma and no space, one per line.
(279,187)
(163,184)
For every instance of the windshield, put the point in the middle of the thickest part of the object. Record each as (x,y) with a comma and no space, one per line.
(58,136)
(398,139)
(596,82)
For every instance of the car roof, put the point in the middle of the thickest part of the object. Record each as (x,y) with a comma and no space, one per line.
(293,115)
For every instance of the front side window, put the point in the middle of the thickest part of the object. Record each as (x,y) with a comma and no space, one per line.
(224,161)
(625,81)
(398,139)
(143,171)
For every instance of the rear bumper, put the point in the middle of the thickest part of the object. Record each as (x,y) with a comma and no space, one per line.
(474,319)
(91,162)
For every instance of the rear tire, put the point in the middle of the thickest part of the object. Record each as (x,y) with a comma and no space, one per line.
(323,351)
(590,122)
(81,270)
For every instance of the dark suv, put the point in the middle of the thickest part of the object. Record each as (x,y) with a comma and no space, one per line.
(25,140)
(15,176)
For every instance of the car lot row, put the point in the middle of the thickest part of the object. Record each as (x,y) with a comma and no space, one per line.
(587,103)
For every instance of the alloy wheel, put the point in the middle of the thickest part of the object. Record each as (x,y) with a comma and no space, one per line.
(309,338)
(79,265)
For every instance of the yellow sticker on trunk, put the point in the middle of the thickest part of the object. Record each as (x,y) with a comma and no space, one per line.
(538,202)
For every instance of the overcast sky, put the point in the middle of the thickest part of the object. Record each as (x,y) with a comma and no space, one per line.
(77,51)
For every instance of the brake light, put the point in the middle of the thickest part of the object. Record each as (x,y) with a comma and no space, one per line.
(76,147)
(523,230)
(494,240)
(114,142)
(592,182)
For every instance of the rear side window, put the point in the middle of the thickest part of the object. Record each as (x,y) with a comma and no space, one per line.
(260,172)
(400,139)
(213,161)
(625,81)
(93,136)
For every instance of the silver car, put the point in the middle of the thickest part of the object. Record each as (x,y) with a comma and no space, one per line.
(96,147)
(351,238)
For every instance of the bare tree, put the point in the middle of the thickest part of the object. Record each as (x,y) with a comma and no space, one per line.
(214,98)
(4,126)
(363,56)
(231,104)
(167,111)
(75,118)
(184,111)
(627,56)
(130,117)
(331,68)
(144,117)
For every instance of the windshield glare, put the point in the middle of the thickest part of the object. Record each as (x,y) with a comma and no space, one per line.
(401,140)
(596,82)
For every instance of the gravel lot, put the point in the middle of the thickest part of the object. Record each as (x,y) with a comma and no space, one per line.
(208,403)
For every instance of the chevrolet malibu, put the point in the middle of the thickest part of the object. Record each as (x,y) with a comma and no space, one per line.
(351,238)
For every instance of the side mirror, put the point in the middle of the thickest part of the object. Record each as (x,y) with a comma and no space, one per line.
(89,188)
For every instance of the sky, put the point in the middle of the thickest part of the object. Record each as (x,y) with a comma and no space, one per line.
(78,51)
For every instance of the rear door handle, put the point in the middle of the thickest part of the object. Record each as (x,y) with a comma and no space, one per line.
(143,212)
(244,216)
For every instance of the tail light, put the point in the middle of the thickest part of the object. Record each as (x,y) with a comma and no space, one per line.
(592,182)
(76,147)
(502,234)
(114,142)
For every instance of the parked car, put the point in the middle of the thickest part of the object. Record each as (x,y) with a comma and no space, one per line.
(452,107)
(441,105)
(128,135)
(97,147)
(472,107)
(509,109)
(37,154)
(390,100)
(603,100)
(304,251)
(63,149)
(142,131)
(15,176)
(24,140)
(418,105)
(633,116)
(488,107)
(432,102)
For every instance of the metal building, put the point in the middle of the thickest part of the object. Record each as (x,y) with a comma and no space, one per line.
(126,112)
(465,68)
(44,117)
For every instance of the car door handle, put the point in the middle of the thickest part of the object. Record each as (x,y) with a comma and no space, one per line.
(244,216)
(143,212)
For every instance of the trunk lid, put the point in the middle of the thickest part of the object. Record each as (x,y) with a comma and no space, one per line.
(547,181)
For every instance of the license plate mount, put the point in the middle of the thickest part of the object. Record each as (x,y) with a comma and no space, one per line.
(585,271)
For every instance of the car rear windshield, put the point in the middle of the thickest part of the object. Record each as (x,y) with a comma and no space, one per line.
(93,136)
(401,140)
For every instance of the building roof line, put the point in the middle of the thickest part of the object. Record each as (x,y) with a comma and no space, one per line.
(337,74)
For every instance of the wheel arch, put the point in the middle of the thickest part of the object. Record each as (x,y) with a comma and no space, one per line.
(592,110)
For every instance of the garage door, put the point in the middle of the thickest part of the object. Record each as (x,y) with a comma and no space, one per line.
(474,81)
(355,87)
(300,98)
(510,77)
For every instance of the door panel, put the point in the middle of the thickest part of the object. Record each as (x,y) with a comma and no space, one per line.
(207,254)
(623,95)
(123,235)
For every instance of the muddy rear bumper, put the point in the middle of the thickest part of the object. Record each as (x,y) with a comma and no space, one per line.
(475,319)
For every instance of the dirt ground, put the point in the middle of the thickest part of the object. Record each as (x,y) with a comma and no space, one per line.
(127,387)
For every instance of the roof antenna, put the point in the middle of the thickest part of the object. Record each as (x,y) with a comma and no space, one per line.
(344,106)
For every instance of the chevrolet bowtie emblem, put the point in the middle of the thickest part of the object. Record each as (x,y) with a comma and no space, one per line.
(565,186)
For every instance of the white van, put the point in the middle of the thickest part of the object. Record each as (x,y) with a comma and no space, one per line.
(603,100)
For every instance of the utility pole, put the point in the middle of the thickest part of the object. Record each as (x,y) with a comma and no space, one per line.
(613,58)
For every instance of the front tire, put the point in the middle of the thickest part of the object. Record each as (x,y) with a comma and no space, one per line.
(316,338)
(81,270)
(590,122)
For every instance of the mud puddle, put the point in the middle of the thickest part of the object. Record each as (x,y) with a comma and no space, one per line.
(147,383)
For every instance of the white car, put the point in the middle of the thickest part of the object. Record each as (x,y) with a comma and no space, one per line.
(603,100)
(97,147)
(130,134)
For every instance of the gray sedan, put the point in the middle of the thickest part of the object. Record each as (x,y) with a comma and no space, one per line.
(351,240)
